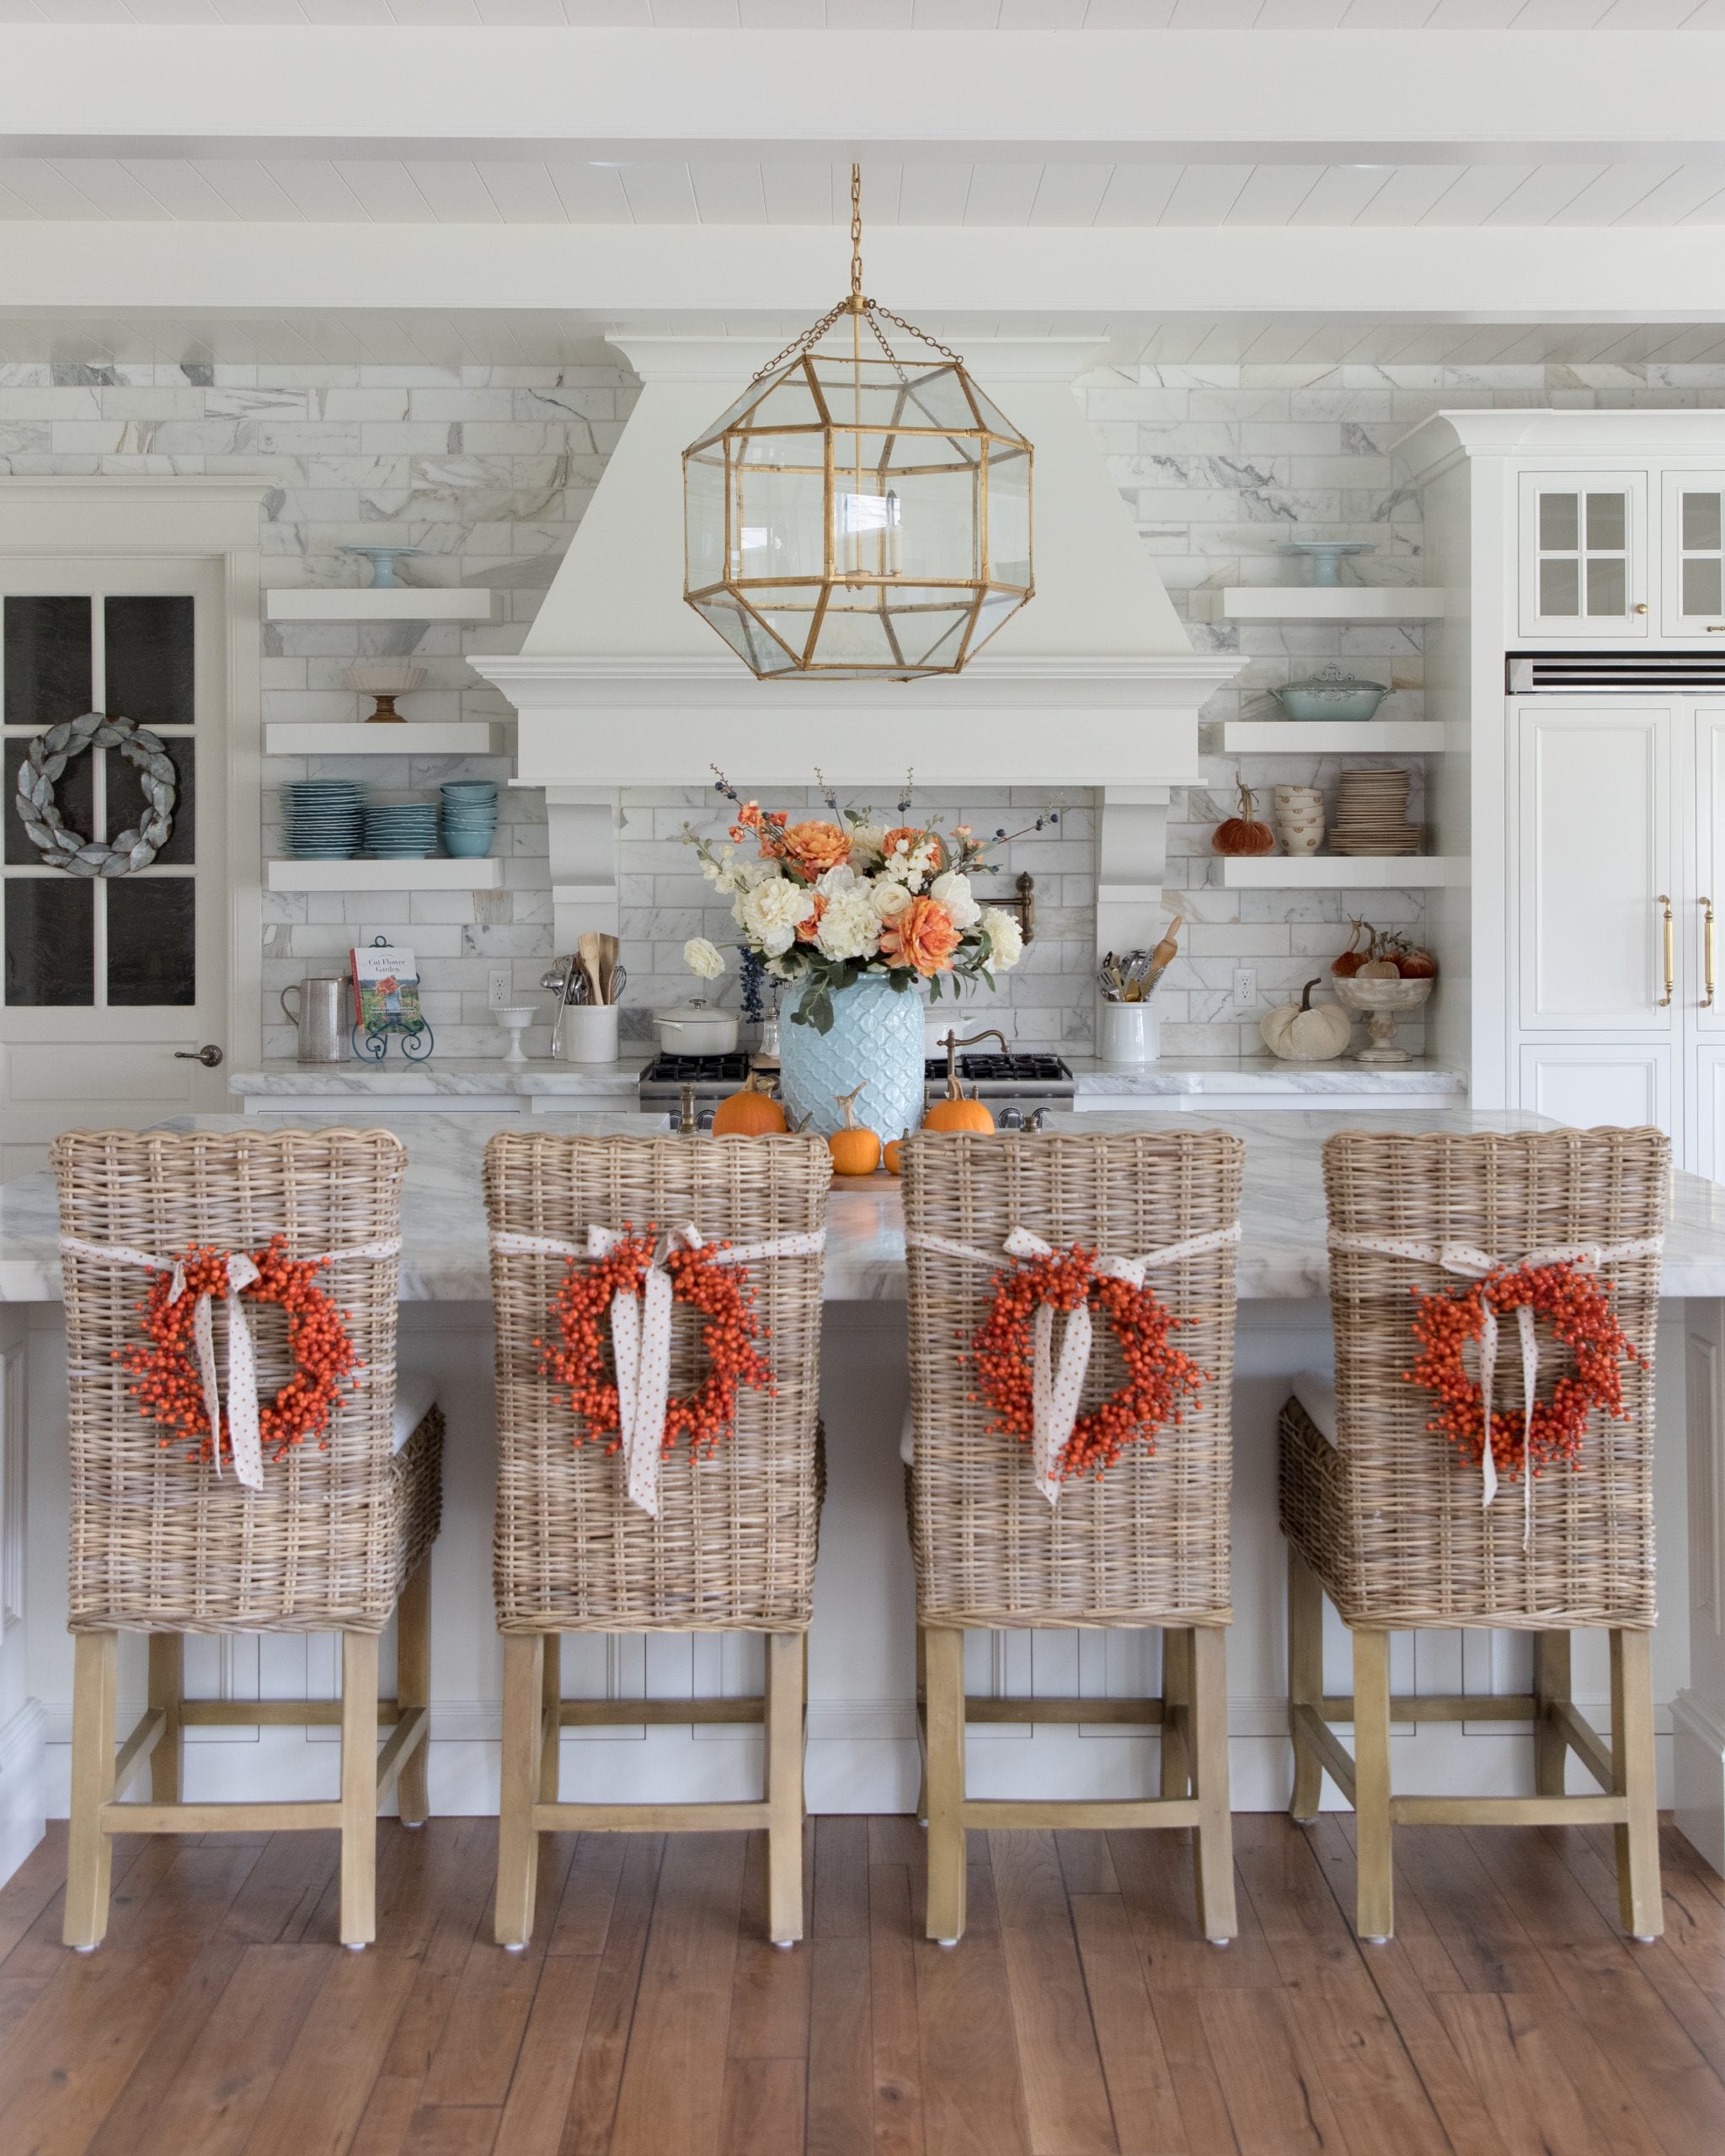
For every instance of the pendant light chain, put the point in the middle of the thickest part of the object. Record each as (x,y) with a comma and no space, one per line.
(856,299)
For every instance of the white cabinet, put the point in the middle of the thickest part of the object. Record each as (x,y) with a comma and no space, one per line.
(1588,1085)
(1593,816)
(1692,554)
(1583,554)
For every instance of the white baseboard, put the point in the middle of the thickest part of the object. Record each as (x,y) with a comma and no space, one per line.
(1699,1774)
(22,1805)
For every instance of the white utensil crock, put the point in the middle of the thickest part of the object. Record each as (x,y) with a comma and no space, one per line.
(1128,1032)
(586,1032)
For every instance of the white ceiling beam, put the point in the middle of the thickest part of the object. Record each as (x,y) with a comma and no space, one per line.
(1322,97)
(605,273)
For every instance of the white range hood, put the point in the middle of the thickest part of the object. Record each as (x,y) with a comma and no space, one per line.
(620,684)
(1093,685)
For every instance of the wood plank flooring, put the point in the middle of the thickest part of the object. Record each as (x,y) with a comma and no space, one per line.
(1081,2016)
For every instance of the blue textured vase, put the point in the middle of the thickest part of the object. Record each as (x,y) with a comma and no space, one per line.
(876,1036)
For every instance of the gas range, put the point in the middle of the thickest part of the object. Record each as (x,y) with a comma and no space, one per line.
(1015,1085)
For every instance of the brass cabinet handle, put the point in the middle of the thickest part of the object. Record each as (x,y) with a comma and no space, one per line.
(1716,628)
(1670,939)
(1707,953)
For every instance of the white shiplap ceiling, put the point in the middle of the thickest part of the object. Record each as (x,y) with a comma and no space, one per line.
(886,15)
(454,191)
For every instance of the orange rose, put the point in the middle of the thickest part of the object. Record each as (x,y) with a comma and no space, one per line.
(808,929)
(923,937)
(817,847)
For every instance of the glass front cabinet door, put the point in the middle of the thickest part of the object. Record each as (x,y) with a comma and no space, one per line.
(1584,549)
(1692,554)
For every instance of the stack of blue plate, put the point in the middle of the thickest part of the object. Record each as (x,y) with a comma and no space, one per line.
(400,831)
(323,819)
(469,818)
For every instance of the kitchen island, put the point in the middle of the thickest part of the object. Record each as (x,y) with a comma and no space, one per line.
(861,1751)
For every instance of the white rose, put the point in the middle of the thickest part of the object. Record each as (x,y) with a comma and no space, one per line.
(865,844)
(703,957)
(1006,938)
(952,890)
(770,911)
(834,880)
(888,898)
(850,927)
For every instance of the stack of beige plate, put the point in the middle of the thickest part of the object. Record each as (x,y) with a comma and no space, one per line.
(1371,815)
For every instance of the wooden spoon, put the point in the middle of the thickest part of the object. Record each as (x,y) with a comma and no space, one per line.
(587,949)
(608,948)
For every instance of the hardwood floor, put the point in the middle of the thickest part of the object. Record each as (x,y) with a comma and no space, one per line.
(1081,2016)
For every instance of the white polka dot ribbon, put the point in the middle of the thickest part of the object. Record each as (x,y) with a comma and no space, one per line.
(640,1333)
(243,1429)
(1467,1263)
(1056,1387)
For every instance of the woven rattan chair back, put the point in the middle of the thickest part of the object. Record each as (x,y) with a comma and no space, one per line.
(1147,1542)
(1410,1543)
(160,1542)
(732,1545)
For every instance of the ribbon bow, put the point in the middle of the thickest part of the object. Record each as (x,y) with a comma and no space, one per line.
(1465,1263)
(1056,1388)
(244,1431)
(640,1333)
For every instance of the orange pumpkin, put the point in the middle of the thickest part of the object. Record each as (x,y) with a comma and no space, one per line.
(893,1155)
(752,1113)
(955,1112)
(1243,835)
(856,1151)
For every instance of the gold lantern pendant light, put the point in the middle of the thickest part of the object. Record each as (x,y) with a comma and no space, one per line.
(857,513)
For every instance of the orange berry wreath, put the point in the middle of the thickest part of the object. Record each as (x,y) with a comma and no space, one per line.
(1161,1379)
(730,1333)
(169,1391)
(1578,1309)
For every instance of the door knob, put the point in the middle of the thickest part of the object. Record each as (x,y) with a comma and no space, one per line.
(209,1055)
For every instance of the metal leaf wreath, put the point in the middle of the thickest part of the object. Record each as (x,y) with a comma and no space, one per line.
(50,753)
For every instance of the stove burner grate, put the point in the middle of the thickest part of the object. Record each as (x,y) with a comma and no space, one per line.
(730,1068)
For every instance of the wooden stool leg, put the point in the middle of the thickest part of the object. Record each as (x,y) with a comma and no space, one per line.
(1213,1846)
(1638,1894)
(1551,1683)
(166,1691)
(946,1784)
(784,1787)
(1305,1680)
(517,1843)
(412,1688)
(359,1788)
(1375,1889)
(89,1856)
(551,1723)
(921,1727)
(1177,1698)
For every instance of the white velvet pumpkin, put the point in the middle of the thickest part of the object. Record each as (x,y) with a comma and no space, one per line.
(1306,1031)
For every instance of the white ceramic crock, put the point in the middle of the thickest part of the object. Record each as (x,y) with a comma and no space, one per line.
(695,1028)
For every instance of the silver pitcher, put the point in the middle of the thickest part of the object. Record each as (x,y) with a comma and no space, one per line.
(321,1019)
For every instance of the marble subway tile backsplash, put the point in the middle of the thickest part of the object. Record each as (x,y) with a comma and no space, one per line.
(487,470)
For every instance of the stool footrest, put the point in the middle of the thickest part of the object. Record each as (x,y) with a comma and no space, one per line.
(984,1707)
(1096,1813)
(272,1714)
(1509,1811)
(217,1818)
(650,1818)
(655,1714)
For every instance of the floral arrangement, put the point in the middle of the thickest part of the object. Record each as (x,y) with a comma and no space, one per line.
(823,903)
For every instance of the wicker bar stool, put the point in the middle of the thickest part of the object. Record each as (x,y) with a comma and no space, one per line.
(731,1545)
(1385,1518)
(337,1537)
(1145,1544)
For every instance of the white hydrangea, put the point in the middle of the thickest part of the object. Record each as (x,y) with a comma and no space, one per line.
(1006,938)
(888,899)
(728,875)
(952,890)
(703,957)
(850,927)
(771,911)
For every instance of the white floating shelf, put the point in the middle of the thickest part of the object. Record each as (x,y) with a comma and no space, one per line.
(387,875)
(420,602)
(1300,737)
(463,737)
(1337,872)
(1313,602)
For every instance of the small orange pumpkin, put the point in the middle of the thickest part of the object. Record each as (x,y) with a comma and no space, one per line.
(893,1155)
(856,1150)
(955,1112)
(752,1113)
(1243,835)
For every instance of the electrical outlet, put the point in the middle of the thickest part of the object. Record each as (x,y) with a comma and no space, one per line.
(500,988)
(1245,988)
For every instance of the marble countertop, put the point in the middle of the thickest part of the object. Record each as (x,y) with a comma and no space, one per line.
(1196,1074)
(1282,1255)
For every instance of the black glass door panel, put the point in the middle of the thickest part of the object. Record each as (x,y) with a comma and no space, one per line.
(50,942)
(150,662)
(74,795)
(47,659)
(151,947)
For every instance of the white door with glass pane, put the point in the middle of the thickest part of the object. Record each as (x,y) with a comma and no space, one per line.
(1584,551)
(111,989)
(1692,555)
